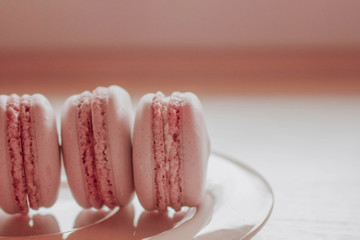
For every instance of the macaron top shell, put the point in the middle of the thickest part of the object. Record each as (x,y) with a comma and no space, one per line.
(114,138)
(40,159)
(195,151)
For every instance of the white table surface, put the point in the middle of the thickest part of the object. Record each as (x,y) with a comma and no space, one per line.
(308,150)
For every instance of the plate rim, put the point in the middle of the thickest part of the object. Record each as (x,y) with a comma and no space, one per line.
(251,170)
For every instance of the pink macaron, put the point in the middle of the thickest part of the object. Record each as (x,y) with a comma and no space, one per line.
(170,151)
(29,153)
(96,146)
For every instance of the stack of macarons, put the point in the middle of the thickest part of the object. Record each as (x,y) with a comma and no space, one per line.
(162,156)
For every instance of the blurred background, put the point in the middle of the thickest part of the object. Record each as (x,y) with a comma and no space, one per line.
(207,46)
(279,80)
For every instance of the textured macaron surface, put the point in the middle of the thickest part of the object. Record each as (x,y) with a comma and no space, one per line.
(14,139)
(29,152)
(86,150)
(92,129)
(100,140)
(167,151)
(92,137)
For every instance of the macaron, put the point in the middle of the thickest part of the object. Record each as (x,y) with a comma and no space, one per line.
(170,151)
(29,153)
(96,147)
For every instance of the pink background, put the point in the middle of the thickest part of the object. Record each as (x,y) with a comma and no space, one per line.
(186,23)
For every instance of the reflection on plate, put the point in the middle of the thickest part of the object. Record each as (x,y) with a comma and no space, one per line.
(237,204)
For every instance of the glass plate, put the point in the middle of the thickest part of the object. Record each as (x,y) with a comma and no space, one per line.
(237,204)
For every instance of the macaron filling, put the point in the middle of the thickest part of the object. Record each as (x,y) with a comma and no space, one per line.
(167,151)
(94,154)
